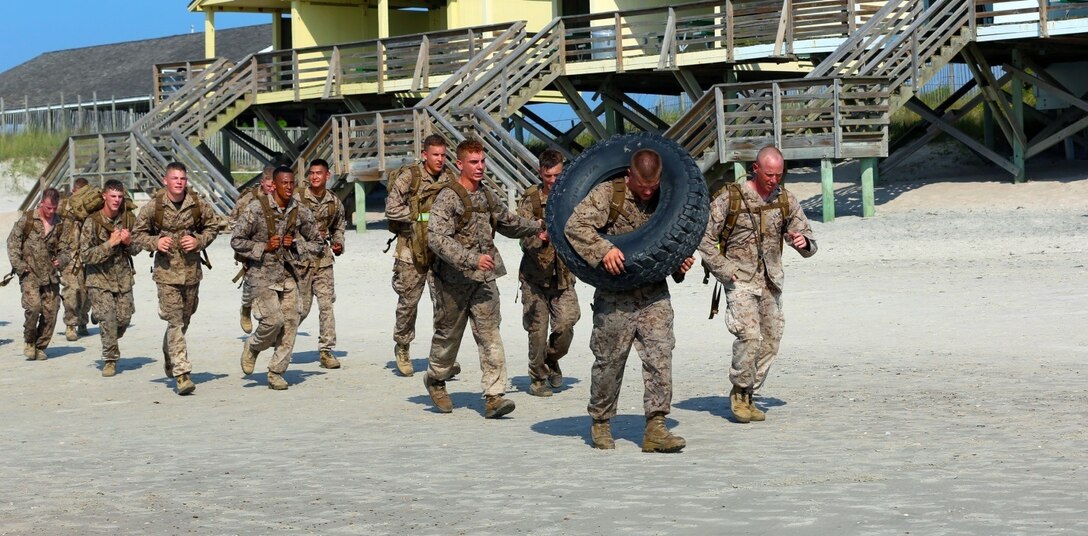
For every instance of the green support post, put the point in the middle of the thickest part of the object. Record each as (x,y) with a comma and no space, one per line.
(361,190)
(827,183)
(1018,146)
(987,126)
(740,172)
(868,178)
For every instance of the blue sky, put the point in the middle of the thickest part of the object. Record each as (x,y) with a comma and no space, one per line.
(33,27)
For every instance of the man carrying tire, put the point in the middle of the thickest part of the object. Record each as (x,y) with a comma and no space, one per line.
(463,218)
(642,316)
(742,247)
(547,288)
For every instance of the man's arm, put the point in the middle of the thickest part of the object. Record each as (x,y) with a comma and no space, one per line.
(307,236)
(582,229)
(713,257)
(445,213)
(208,234)
(339,225)
(141,230)
(241,240)
(15,245)
(525,210)
(798,230)
(93,250)
(512,225)
(396,201)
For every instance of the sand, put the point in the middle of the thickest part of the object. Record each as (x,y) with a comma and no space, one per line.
(933,379)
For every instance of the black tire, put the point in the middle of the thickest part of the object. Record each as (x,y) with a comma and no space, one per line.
(655,250)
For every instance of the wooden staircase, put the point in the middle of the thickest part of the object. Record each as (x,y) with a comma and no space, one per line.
(842,108)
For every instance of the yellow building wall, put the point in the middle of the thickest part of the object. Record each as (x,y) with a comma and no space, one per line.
(315,25)
(465,13)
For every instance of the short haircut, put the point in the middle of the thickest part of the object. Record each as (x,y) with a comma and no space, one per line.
(550,158)
(646,163)
(434,140)
(176,165)
(266,174)
(470,145)
(51,194)
(79,183)
(282,169)
(768,151)
(115,185)
(319,162)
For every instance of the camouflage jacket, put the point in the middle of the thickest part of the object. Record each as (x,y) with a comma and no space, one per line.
(458,247)
(176,267)
(69,241)
(539,264)
(32,250)
(754,250)
(107,267)
(590,220)
(397,208)
(271,269)
(329,215)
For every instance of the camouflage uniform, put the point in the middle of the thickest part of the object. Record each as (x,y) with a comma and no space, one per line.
(316,274)
(642,316)
(408,280)
(248,196)
(177,274)
(547,293)
(462,292)
(272,274)
(109,277)
(32,250)
(754,300)
(72,281)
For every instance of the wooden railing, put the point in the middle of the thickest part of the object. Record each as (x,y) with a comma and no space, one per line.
(417,57)
(1013,14)
(661,33)
(168,78)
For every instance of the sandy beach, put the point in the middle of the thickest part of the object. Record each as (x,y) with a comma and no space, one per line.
(933,379)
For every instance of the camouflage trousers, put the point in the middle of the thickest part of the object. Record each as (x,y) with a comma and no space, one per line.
(539,306)
(754,317)
(177,303)
(113,311)
(247,293)
(40,306)
(408,283)
(318,282)
(74,294)
(619,320)
(276,313)
(455,305)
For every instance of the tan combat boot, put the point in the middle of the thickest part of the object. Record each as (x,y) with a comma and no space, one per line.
(738,402)
(497,406)
(539,388)
(555,374)
(328,360)
(30,351)
(404,360)
(39,354)
(276,382)
(244,319)
(438,393)
(70,333)
(601,434)
(109,368)
(82,330)
(249,359)
(184,385)
(755,413)
(658,438)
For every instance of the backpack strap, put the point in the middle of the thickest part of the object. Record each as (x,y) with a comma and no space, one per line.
(619,195)
(535,197)
(28,224)
(269,216)
(735,199)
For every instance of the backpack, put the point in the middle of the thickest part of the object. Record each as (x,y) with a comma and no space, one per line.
(781,202)
(270,226)
(419,204)
(198,219)
(28,225)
